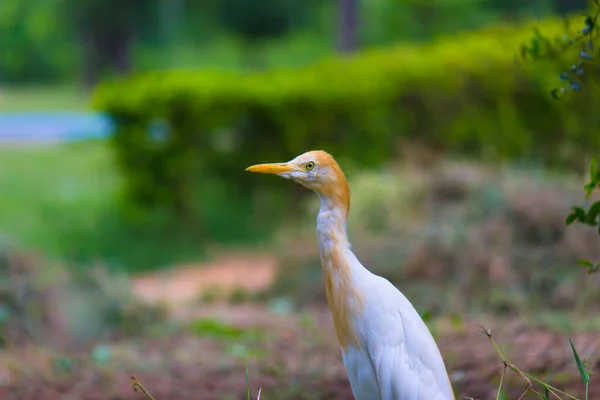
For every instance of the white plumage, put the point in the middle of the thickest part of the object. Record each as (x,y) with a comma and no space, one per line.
(387,349)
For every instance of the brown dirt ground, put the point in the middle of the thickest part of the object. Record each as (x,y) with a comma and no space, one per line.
(298,356)
(299,361)
(250,272)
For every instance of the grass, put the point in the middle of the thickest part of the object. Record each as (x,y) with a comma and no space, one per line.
(42,98)
(62,201)
(47,188)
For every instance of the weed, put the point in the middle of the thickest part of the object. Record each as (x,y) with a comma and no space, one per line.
(532,381)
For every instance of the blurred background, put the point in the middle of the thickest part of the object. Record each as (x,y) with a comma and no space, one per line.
(133,242)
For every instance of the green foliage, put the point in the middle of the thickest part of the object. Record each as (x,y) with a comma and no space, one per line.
(535,385)
(588,215)
(100,15)
(173,127)
(63,200)
(575,71)
(262,20)
(218,329)
(33,44)
(47,303)
(42,40)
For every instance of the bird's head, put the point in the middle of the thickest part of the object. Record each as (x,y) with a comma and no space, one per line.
(316,170)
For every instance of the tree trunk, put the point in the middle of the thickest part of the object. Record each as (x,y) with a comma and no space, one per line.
(90,59)
(121,52)
(348,25)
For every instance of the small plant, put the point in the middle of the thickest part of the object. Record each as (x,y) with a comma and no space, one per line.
(542,389)
(573,76)
(588,215)
(137,385)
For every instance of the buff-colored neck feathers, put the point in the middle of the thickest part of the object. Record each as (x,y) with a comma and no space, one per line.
(335,187)
(343,299)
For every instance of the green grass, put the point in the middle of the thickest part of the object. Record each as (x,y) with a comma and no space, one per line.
(46,188)
(43,98)
(62,200)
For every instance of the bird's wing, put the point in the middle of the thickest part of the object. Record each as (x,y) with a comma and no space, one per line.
(406,358)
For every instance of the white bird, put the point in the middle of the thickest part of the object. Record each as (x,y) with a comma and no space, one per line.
(387,350)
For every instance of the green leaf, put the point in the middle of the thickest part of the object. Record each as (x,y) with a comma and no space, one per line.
(524,51)
(546,395)
(426,316)
(585,376)
(589,188)
(577,214)
(594,170)
(247,383)
(585,263)
(593,212)
(570,219)
(556,93)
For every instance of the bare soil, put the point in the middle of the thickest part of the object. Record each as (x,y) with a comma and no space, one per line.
(298,360)
(294,355)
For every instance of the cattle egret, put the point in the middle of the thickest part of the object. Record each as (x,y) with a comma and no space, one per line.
(387,350)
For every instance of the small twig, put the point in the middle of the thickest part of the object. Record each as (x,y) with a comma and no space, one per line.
(138,385)
(527,377)
(501,382)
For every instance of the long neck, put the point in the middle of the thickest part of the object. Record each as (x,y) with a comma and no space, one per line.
(331,225)
(342,296)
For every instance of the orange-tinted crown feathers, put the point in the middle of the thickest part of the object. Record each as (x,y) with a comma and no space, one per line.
(334,185)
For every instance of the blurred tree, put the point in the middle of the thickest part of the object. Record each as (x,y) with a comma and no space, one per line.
(257,21)
(387,21)
(33,48)
(348,25)
(107,30)
(565,7)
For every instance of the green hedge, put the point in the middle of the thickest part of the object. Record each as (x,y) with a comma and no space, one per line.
(179,131)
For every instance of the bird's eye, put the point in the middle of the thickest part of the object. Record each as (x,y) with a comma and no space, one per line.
(309,165)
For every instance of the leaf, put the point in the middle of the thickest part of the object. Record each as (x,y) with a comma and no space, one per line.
(524,51)
(593,212)
(426,316)
(247,383)
(578,214)
(594,170)
(556,92)
(585,376)
(589,189)
(589,21)
(535,46)
(585,263)
(570,219)
(546,395)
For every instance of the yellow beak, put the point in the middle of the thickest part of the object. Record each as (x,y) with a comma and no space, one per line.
(273,168)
